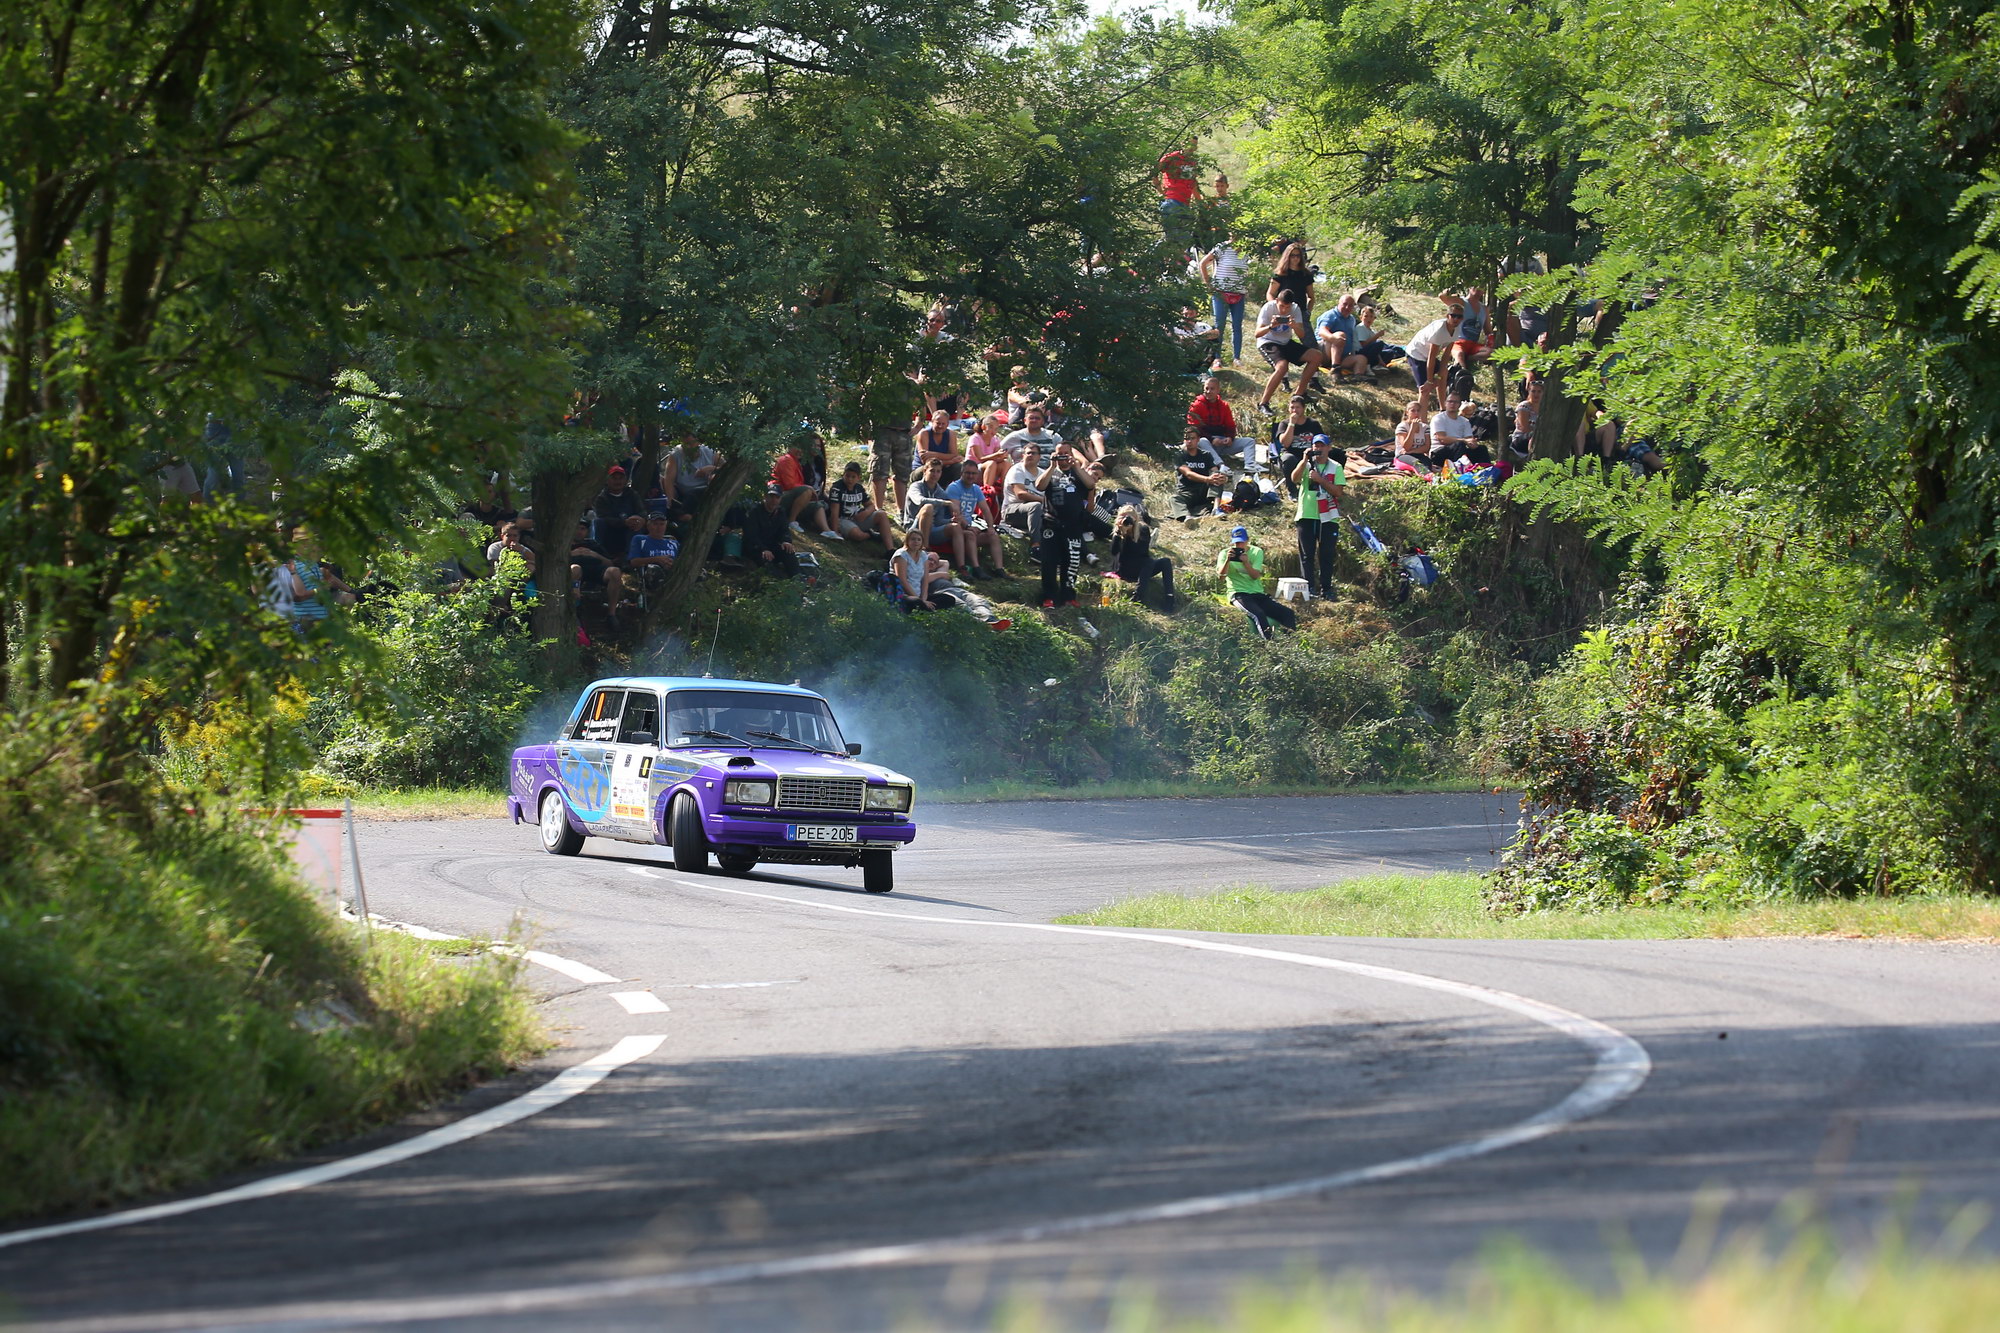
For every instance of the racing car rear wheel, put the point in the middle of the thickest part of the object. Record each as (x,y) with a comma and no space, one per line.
(690,843)
(558,838)
(736,865)
(878,872)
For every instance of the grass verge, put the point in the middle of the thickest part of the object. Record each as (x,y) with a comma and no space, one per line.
(1809,1288)
(430,803)
(174,1004)
(1448,906)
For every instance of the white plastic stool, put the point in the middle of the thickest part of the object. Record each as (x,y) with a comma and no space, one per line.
(1293,590)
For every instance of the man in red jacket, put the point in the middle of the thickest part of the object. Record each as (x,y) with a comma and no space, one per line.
(1180,194)
(1212,417)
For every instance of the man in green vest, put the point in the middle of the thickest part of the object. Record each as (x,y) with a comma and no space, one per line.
(1241,568)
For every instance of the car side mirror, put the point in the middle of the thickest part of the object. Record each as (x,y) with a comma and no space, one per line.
(853,748)
(642,738)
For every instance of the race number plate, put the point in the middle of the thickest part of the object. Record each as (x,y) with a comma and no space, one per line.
(821,833)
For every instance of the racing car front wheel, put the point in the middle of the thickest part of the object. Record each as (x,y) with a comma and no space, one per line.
(558,838)
(736,865)
(690,843)
(878,872)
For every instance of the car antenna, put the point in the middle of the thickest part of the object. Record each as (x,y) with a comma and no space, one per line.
(712,640)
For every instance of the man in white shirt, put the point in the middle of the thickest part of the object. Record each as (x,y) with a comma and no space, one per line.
(1021,501)
(1424,353)
(1036,432)
(1284,339)
(1451,429)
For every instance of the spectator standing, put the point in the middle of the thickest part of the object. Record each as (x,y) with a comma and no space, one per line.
(1020,396)
(1065,508)
(1425,353)
(1132,556)
(1199,479)
(891,461)
(1228,279)
(1211,415)
(1180,195)
(978,520)
(1293,278)
(1241,569)
(1292,440)
(1322,482)
(1283,341)
(767,536)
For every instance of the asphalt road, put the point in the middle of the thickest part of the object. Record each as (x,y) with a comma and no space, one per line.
(865,1078)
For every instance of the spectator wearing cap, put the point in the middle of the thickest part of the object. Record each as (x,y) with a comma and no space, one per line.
(1241,569)
(799,492)
(1321,480)
(767,536)
(619,509)
(1211,415)
(1199,479)
(652,553)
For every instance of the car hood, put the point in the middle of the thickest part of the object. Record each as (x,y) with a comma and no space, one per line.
(787,763)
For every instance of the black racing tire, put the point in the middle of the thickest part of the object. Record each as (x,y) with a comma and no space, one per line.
(558,838)
(736,865)
(690,843)
(878,872)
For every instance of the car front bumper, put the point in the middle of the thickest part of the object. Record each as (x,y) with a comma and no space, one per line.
(769,835)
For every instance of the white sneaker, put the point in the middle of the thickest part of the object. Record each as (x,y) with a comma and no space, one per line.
(830,536)
(796,528)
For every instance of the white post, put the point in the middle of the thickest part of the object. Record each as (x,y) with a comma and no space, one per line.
(354,858)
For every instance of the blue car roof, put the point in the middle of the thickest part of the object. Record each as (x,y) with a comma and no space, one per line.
(697,683)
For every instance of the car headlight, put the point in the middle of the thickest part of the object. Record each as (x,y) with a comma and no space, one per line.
(746,793)
(889,798)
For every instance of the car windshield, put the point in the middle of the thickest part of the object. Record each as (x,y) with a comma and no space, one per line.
(748,718)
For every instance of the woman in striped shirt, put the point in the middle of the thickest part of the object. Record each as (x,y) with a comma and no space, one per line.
(1228,279)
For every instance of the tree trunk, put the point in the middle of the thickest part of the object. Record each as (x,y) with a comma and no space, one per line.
(723,491)
(559,495)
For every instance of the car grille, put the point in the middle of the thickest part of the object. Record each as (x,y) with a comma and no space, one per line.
(821,793)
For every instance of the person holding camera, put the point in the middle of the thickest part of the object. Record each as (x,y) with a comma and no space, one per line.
(1132,556)
(1241,569)
(1065,509)
(1322,479)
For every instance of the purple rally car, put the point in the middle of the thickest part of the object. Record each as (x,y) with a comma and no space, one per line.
(749,771)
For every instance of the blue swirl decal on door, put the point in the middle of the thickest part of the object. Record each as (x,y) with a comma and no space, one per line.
(586,779)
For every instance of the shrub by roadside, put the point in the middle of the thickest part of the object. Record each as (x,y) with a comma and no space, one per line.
(174,1004)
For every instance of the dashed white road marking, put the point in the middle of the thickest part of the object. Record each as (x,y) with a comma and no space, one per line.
(570,968)
(738,985)
(1621,1067)
(577,1078)
(639,1002)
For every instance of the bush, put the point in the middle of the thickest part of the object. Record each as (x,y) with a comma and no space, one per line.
(156,987)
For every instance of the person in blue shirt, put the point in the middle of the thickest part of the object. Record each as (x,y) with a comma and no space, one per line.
(651,553)
(1340,337)
(981,521)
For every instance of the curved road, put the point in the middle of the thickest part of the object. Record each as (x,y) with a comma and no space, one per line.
(865,1078)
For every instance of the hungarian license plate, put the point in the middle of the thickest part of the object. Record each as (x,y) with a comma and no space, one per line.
(822,833)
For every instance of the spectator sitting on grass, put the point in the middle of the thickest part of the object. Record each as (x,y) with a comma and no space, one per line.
(1369,342)
(1022,504)
(978,521)
(799,492)
(1199,478)
(1339,335)
(592,566)
(767,537)
(1211,415)
(943,533)
(983,447)
(1132,556)
(1413,439)
(1284,341)
(854,512)
(1241,569)
(917,571)
(937,441)
(1451,431)
(1035,432)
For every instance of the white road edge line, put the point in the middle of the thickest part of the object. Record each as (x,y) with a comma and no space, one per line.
(577,1078)
(570,968)
(1622,1067)
(639,1002)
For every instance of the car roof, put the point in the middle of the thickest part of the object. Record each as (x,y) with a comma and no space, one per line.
(699,683)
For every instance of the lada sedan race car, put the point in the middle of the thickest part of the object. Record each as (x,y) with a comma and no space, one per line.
(749,771)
